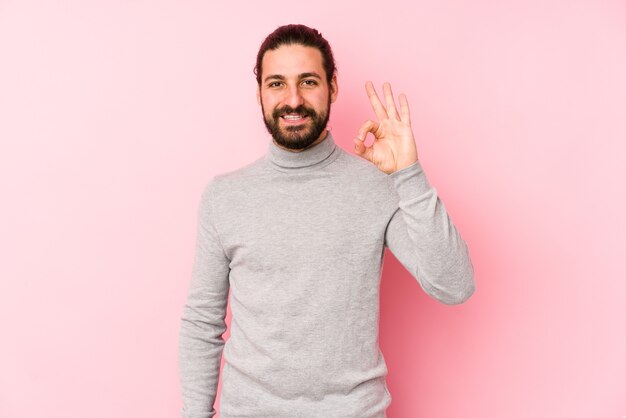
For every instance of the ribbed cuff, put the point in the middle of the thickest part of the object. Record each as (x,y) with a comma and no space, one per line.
(411,181)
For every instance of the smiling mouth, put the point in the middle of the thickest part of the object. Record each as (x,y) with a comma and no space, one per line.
(293,117)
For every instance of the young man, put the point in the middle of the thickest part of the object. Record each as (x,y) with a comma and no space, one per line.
(298,238)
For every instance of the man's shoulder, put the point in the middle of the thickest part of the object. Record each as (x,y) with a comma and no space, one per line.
(236,179)
(362,170)
(253,168)
(360,163)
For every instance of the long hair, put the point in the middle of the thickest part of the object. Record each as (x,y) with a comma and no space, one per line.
(300,35)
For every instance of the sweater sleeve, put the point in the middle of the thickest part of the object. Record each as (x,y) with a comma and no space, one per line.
(203,319)
(423,238)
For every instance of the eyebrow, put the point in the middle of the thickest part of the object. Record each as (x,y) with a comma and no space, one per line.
(301,76)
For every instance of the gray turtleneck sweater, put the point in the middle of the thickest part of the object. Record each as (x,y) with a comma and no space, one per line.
(298,238)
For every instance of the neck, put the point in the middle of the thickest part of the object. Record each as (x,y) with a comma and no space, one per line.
(314,156)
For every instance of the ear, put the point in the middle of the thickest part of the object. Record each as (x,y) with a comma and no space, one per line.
(258,95)
(334,88)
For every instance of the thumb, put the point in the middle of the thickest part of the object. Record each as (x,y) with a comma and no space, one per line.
(359,142)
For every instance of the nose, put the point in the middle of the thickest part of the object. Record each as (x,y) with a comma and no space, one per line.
(293,97)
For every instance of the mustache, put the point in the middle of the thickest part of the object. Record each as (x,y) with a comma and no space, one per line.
(304,111)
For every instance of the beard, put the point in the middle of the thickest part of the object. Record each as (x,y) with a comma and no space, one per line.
(299,136)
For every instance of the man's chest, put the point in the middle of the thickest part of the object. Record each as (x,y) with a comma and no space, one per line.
(295,226)
(273,230)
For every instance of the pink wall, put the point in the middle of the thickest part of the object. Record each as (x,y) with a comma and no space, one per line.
(114,114)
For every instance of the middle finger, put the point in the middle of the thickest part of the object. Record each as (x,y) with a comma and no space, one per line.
(378,107)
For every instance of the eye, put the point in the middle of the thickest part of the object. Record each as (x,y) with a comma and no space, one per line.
(310,82)
(274,84)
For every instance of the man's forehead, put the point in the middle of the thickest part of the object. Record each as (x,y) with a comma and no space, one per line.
(292,61)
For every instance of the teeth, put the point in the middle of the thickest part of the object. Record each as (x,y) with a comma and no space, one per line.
(292,117)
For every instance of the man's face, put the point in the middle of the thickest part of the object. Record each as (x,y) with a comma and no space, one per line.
(295,96)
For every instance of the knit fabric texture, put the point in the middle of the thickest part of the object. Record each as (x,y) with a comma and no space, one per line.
(295,241)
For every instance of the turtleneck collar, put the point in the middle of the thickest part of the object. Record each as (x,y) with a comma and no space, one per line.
(313,157)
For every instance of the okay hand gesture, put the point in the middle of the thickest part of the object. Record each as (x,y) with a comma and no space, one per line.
(394,146)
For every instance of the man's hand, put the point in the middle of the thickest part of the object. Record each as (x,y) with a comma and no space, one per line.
(394,146)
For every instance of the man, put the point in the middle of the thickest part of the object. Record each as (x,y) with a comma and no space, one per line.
(298,238)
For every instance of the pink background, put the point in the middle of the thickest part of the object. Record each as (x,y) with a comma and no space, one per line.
(114,114)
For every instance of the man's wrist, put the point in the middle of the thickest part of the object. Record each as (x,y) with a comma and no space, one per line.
(410,181)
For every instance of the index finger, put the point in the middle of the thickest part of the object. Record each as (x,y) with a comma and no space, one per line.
(378,107)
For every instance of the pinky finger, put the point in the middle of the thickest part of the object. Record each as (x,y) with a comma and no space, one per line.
(405,114)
